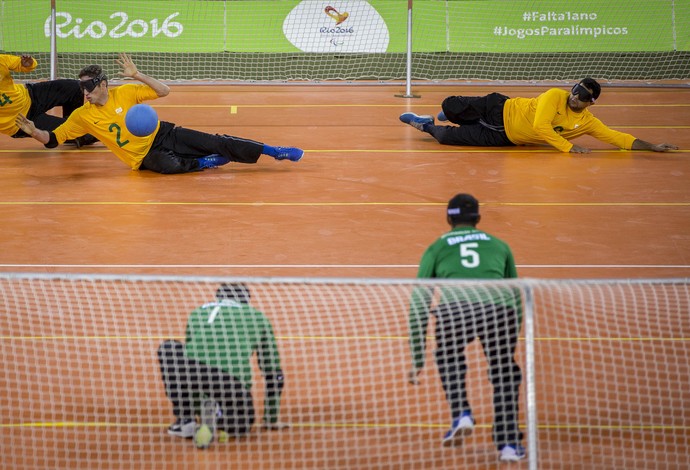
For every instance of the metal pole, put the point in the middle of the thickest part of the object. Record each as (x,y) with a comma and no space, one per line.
(531,382)
(408,77)
(53,42)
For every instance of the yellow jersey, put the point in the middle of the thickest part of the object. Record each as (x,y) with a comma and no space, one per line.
(548,119)
(14,98)
(107,123)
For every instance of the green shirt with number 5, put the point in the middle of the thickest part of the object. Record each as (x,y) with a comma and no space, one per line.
(463,253)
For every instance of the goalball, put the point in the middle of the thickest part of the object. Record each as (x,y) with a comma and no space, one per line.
(141,120)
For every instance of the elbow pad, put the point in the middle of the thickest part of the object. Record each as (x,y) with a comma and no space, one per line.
(52,143)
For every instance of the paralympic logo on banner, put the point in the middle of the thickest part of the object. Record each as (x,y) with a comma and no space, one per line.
(344,26)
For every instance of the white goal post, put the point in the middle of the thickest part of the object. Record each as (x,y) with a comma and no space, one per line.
(605,363)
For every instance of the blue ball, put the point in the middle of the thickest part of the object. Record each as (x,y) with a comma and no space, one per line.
(141,120)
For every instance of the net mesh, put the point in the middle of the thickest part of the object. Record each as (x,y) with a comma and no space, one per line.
(614,353)
(82,388)
(292,40)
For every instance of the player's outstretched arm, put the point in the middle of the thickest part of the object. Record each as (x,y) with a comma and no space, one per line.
(29,128)
(643,145)
(27,61)
(579,149)
(275,381)
(129,69)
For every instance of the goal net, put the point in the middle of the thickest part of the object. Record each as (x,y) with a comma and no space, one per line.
(348,40)
(605,365)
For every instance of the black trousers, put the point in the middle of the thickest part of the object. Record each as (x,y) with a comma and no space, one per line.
(480,120)
(186,379)
(497,328)
(176,149)
(48,95)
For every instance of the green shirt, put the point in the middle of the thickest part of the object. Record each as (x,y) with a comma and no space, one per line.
(225,334)
(463,253)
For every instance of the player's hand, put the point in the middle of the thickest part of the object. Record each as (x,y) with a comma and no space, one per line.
(277,426)
(129,69)
(413,376)
(578,149)
(25,124)
(27,60)
(663,147)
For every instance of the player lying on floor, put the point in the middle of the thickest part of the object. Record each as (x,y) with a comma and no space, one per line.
(169,149)
(34,100)
(554,117)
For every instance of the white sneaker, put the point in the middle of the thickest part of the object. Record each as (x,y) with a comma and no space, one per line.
(512,453)
(459,429)
(183,427)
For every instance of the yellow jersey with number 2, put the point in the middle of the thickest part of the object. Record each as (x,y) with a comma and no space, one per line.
(107,123)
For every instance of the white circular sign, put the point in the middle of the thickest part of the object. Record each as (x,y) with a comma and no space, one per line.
(340,26)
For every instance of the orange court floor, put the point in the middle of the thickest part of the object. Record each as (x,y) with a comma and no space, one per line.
(366,199)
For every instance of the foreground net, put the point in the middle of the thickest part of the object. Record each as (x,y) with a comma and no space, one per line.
(605,375)
(347,40)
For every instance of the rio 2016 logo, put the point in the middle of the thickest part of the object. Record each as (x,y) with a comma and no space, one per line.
(66,25)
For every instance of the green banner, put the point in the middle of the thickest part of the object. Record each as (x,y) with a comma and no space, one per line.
(556,26)
(122,26)
(682,25)
(347,26)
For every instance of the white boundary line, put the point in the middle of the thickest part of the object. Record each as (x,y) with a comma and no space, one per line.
(340,266)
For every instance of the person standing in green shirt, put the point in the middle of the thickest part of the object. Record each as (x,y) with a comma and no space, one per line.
(213,368)
(463,313)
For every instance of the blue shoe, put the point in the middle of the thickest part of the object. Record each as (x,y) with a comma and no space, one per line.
(459,429)
(442,116)
(512,453)
(415,121)
(212,161)
(289,153)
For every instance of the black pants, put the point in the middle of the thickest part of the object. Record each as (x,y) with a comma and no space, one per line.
(48,95)
(480,120)
(176,149)
(186,379)
(497,328)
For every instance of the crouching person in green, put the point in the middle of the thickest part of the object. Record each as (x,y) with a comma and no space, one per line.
(210,375)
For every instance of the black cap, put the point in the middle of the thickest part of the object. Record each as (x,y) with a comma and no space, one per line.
(234,291)
(463,207)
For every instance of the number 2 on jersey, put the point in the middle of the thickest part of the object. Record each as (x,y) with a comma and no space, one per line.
(469,257)
(116,128)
